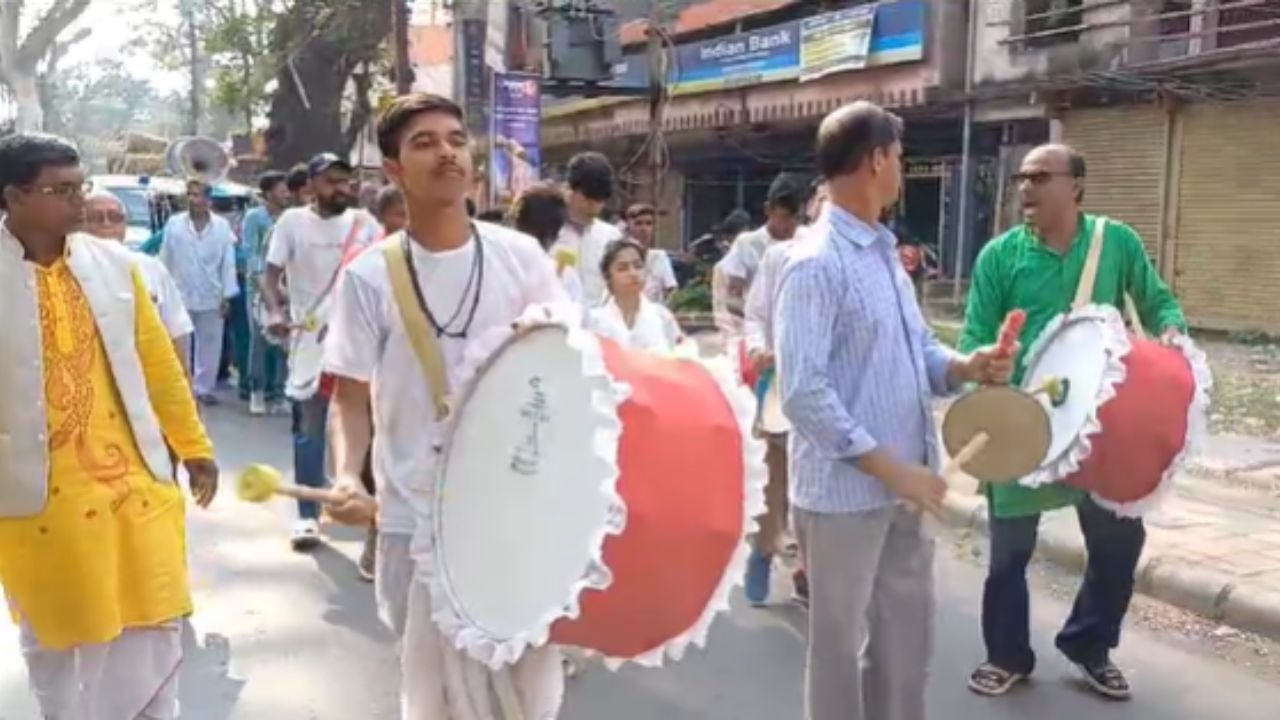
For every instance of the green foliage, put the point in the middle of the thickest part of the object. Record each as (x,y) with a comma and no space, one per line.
(694,298)
(236,35)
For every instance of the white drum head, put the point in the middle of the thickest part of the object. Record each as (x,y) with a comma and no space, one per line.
(1078,353)
(521,502)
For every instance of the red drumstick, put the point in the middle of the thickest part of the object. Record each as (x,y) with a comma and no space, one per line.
(1010,329)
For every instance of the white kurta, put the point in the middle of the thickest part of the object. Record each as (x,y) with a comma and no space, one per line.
(655,329)
(367,341)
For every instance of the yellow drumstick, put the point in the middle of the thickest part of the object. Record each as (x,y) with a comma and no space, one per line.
(260,483)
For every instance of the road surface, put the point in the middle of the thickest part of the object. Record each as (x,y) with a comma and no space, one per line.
(293,637)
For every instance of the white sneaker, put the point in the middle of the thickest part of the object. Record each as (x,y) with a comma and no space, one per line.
(281,407)
(257,404)
(306,535)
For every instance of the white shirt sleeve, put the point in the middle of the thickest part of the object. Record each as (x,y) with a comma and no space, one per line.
(734,263)
(542,285)
(280,249)
(230,283)
(357,331)
(173,313)
(666,273)
(670,327)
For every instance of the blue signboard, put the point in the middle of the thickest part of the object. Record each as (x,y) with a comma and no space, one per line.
(774,53)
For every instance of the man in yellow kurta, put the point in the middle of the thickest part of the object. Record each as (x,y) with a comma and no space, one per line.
(92,523)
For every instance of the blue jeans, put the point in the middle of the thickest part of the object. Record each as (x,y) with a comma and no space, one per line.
(310,421)
(1114,545)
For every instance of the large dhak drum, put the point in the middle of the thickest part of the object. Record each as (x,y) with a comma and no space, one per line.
(1132,411)
(590,496)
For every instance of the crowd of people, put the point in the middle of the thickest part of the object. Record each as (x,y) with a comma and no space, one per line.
(359,321)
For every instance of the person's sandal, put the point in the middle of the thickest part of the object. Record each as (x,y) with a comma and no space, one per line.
(992,681)
(1106,680)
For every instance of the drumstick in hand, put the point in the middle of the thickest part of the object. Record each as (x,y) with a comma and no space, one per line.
(1010,329)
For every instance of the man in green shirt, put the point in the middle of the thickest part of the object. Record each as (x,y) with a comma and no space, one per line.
(1036,267)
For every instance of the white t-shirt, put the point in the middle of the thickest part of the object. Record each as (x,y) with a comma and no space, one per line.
(166,296)
(758,310)
(310,249)
(367,342)
(655,328)
(589,246)
(659,276)
(743,258)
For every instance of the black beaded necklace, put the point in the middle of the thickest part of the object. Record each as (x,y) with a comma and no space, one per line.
(475,278)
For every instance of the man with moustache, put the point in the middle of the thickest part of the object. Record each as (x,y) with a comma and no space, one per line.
(308,247)
(859,366)
(471,277)
(1036,267)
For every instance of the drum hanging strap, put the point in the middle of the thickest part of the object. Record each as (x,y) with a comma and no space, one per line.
(1084,291)
(423,340)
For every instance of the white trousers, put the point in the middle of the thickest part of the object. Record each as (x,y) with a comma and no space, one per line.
(206,351)
(134,677)
(440,682)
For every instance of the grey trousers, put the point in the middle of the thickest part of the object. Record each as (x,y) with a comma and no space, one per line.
(870,614)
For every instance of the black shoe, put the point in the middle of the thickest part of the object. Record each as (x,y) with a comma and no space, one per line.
(1106,680)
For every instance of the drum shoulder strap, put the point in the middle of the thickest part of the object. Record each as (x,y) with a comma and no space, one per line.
(421,338)
(1089,276)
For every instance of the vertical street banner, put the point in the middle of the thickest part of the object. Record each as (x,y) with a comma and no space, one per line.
(836,41)
(515,155)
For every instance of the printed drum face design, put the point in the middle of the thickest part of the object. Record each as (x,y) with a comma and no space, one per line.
(1076,353)
(518,513)
(590,496)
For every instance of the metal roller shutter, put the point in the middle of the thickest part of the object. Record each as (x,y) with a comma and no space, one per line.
(1124,149)
(1227,245)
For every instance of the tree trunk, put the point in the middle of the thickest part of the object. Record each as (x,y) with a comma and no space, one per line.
(26,95)
(306,115)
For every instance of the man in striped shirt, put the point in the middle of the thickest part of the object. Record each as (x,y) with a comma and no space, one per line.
(858,366)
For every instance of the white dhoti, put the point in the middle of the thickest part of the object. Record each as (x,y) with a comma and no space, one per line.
(393,574)
(439,682)
(134,677)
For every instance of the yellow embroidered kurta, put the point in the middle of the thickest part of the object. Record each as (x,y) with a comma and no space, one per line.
(108,551)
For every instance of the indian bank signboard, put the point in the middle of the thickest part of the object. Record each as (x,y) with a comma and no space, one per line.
(871,35)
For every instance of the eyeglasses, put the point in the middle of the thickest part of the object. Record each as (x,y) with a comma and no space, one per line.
(64,190)
(104,218)
(1037,178)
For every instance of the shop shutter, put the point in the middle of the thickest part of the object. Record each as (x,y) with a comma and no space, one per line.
(1227,236)
(1124,149)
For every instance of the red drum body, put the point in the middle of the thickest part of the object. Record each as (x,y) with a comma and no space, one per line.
(1134,408)
(591,496)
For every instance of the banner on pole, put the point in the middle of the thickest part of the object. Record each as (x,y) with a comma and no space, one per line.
(514,151)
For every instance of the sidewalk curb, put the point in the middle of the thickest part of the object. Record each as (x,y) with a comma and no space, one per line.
(1214,595)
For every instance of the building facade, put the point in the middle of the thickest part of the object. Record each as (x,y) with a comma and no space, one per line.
(747,84)
(1176,106)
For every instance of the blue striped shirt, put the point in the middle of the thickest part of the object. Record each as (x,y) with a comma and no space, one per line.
(858,364)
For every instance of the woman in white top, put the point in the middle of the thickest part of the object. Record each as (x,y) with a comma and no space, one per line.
(627,316)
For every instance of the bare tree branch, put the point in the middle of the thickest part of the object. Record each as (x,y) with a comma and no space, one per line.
(47,29)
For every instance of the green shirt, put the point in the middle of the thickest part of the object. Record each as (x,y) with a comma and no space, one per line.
(1016,270)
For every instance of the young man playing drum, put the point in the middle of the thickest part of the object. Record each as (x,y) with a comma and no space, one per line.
(859,366)
(762,272)
(405,313)
(1036,268)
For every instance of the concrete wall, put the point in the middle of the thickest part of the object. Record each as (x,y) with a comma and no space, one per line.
(1100,47)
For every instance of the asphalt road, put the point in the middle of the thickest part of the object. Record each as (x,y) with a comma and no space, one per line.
(282,636)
